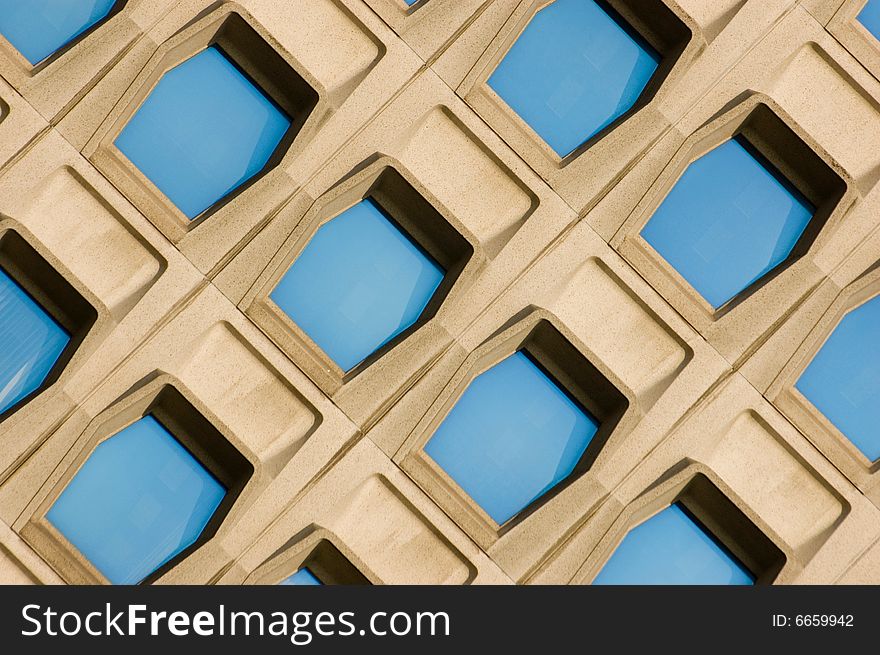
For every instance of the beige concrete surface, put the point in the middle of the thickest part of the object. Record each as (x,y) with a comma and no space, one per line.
(546,252)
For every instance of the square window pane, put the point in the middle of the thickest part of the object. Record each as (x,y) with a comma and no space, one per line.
(139,500)
(39,28)
(843,380)
(728,221)
(204,130)
(359,283)
(575,69)
(672,548)
(31,342)
(512,436)
(302,577)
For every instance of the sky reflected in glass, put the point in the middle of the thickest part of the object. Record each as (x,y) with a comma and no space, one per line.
(671,548)
(358,284)
(302,577)
(512,436)
(31,342)
(575,69)
(39,28)
(870,17)
(203,131)
(728,221)
(843,380)
(140,499)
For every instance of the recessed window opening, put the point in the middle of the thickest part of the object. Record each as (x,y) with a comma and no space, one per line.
(217,121)
(151,493)
(373,274)
(39,29)
(742,210)
(700,539)
(43,320)
(304,577)
(673,548)
(527,425)
(326,565)
(581,65)
(842,381)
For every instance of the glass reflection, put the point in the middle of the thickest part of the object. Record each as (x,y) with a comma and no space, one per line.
(674,549)
(512,436)
(31,342)
(842,381)
(139,500)
(359,283)
(302,577)
(869,16)
(39,28)
(203,131)
(728,221)
(575,69)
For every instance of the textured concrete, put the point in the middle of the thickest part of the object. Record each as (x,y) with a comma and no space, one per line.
(340,479)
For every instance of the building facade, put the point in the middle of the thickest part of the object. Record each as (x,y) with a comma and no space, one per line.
(440,292)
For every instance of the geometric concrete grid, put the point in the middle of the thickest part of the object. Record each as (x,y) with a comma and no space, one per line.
(402,96)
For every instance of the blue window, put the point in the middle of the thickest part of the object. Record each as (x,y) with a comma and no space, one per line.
(203,131)
(512,436)
(575,69)
(672,548)
(728,221)
(31,342)
(843,380)
(139,500)
(302,577)
(39,28)
(359,283)
(870,17)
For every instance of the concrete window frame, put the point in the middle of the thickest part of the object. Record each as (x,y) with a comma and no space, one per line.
(718,508)
(193,425)
(323,553)
(255,52)
(662,23)
(736,325)
(57,297)
(574,367)
(423,218)
(854,36)
(827,437)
